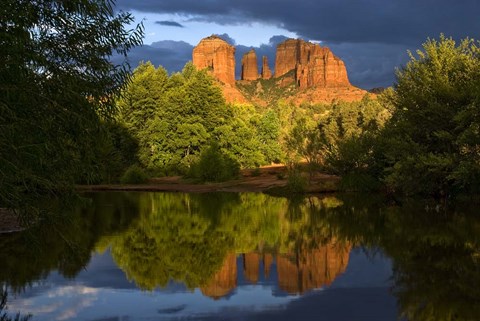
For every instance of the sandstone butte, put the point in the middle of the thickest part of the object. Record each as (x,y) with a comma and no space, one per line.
(266,72)
(313,65)
(319,75)
(218,56)
(296,273)
(249,66)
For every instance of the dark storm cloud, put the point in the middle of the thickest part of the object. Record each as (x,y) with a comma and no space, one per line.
(371,36)
(381,21)
(169,24)
(172,55)
(228,39)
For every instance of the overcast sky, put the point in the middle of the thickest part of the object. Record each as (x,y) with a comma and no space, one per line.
(371,36)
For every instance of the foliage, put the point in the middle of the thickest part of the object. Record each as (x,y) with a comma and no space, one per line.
(296,183)
(172,117)
(428,242)
(56,84)
(134,175)
(214,166)
(431,143)
(270,90)
(64,240)
(175,117)
(340,138)
(304,143)
(119,153)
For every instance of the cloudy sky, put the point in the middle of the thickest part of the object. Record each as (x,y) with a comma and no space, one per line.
(371,36)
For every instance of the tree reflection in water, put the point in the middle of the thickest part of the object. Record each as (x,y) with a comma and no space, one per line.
(207,241)
(435,251)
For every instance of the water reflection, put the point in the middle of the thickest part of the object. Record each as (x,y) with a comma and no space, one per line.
(193,240)
(215,244)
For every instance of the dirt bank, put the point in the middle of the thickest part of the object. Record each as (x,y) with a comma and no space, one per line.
(258,180)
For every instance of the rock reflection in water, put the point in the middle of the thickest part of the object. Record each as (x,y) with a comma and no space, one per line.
(297,273)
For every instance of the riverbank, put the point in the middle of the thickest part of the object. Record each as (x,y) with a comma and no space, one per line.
(265,179)
(269,179)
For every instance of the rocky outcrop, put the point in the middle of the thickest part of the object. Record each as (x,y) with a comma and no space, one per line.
(251,266)
(224,281)
(297,273)
(249,66)
(217,56)
(266,72)
(307,270)
(312,65)
(305,72)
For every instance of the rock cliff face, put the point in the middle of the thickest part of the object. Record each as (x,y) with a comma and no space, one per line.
(224,281)
(313,66)
(249,66)
(296,273)
(304,72)
(313,269)
(218,56)
(266,72)
(251,266)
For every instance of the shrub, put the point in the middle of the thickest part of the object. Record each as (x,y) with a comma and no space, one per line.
(296,183)
(214,166)
(134,175)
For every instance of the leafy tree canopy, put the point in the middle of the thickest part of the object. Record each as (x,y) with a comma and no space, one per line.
(56,82)
(432,143)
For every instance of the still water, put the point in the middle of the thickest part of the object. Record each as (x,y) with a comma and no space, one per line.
(248,256)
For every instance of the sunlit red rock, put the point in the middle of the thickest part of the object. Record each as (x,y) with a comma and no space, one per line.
(217,56)
(307,72)
(267,264)
(312,65)
(249,66)
(224,281)
(251,266)
(266,72)
(312,269)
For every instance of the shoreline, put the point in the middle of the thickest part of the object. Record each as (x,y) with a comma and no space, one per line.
(270,180)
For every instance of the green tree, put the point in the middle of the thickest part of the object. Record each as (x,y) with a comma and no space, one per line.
(431,143)
(214,165)
(56,83)
(172,117)
(143,96)
(269,136)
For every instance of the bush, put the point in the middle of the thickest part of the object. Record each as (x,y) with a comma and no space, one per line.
(296,183)
(359,182)
(214,166)
(134,175)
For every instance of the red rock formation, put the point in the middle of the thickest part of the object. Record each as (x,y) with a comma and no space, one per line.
(286,57)
(218,56)
(224,281)
(267,263)
(266,72)
(313,66)
(249,66)
(251,266)
(311,269)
